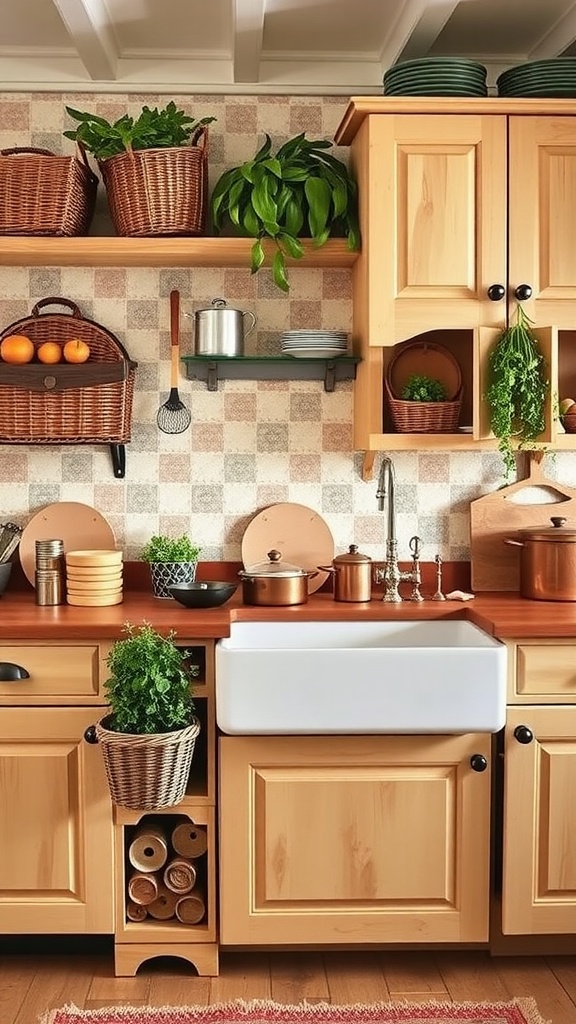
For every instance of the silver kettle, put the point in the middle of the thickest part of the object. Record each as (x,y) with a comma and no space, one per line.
(219,329)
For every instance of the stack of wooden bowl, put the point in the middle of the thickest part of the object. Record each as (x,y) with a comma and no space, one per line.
(94,578)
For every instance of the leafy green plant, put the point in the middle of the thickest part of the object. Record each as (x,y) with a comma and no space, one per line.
(517,388)
(153,129)
(420,388)
(149,688)
(300,190)
(169,549)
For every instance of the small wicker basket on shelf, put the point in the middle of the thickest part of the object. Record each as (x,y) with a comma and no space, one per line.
(45,194)
(159,191)
(146,772)
(432,360)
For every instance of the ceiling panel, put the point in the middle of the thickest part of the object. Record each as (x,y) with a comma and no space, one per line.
(327,25)
(189,25)
(494,27)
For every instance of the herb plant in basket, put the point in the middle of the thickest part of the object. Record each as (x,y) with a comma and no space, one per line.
(517,388)
(148,737)
(301,190)
(420,388)
(153,167)
(172,560)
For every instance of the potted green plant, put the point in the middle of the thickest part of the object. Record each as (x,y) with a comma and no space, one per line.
(420,388)
(148,736)
(422,406)
(299,190)
(153,167)
(172,560)
(517,388)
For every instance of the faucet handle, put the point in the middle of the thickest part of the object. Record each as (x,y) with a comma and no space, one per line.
(414,545)
(415,576)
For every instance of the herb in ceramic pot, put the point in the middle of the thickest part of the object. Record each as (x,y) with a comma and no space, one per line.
(169,549)
(517,389)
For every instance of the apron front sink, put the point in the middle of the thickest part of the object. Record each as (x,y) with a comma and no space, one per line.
(441,676)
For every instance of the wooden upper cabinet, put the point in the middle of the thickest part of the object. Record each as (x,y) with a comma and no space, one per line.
(433,213)
(542,216)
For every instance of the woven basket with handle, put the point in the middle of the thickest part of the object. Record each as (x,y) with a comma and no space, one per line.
(146,772)
(45,194)
(423,417)
(62,403)
(159,191)
(423,357)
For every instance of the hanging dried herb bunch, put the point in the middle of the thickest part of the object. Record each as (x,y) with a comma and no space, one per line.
(517,389)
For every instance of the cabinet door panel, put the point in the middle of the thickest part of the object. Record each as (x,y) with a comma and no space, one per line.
(539,881)
(353,840)
(542,215)
(56,867)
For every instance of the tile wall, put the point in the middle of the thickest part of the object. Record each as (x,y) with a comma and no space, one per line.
(252,443)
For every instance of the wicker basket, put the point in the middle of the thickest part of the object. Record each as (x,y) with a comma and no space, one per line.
(45,194)
(146,772)
(158,191)
(62,403)
(424,417)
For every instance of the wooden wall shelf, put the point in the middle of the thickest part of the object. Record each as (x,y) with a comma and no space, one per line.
(212,369)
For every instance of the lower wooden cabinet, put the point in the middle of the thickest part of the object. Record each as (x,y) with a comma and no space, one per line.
(354,839)
(56,854)
(539,867)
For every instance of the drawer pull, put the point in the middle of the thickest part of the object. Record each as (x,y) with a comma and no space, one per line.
(10,672)
(90,734)
(523,734)
(478,763)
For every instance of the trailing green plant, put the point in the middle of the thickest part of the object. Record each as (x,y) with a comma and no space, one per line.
(152,129)
(299,190)
(420,388)
(169,549)
(517,388)
(149,689)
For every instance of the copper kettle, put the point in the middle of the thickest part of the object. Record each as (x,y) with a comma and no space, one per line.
(352,575)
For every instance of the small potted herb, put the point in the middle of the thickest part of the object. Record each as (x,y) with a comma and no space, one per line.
(153,167)
(172,560)
(420,388)
(150,695)
(301,190)
(517,388)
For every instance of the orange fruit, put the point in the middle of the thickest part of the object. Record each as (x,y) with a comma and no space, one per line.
(17,348)
(49,352)
(76,351)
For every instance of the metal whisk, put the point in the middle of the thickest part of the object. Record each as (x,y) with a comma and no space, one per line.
(174,417)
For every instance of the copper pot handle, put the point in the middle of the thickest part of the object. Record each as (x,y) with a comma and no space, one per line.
(514,543)
(325,568)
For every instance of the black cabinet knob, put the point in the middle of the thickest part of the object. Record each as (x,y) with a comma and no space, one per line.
(523,734)
(478,763)
(496,292)
(10,672)
(523,292)
(90,734)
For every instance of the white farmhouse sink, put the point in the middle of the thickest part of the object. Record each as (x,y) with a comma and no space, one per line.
(444,676)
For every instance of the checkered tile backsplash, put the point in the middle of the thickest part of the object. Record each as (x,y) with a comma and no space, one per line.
(252,443)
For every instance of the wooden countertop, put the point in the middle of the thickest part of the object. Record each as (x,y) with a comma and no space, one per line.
(504,615)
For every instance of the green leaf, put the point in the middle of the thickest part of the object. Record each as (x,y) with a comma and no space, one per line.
(318,196)
(279,271)
(256,256)
(294,218)
(291,245)
(264,205)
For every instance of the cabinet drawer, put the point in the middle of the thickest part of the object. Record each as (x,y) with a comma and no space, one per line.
(542,671)
(56,673)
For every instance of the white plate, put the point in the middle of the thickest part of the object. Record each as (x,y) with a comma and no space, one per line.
(299,533)
(314,353)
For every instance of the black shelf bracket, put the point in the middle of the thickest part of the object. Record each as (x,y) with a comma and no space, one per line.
(118,456)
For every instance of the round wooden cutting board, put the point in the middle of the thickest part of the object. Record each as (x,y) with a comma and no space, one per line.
(79,526)
(298,532)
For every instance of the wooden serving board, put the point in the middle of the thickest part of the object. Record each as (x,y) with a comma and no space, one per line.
(495,565)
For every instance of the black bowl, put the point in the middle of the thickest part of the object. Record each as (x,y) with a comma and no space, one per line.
(203,594)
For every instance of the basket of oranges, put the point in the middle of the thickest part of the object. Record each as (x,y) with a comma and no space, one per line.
(64,379)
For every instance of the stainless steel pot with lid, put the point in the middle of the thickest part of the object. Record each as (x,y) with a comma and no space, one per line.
(275,582)
(547,561)
(219,330)
(352,575)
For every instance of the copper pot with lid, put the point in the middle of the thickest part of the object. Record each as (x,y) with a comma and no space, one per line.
(547,561)
(275,582)
(352,575)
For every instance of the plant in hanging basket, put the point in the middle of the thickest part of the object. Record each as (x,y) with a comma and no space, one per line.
(172,560)
(301,190)
(148,737)
(153,168)
(517,388)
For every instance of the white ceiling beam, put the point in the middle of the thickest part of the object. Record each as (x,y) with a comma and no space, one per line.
(91,33)
(415,28)
(248,29)
(561,35)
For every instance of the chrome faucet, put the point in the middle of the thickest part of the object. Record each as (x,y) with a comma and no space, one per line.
(391,575)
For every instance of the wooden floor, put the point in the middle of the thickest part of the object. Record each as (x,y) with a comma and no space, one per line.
(33,981)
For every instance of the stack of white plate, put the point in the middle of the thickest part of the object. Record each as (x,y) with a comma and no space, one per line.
(94,578)
(314,344)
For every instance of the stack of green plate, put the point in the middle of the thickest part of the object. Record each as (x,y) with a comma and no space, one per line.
(554,78)
(436,76)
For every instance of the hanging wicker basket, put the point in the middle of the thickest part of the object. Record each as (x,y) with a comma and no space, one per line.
(158,191)
(146,772)
(424,357)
